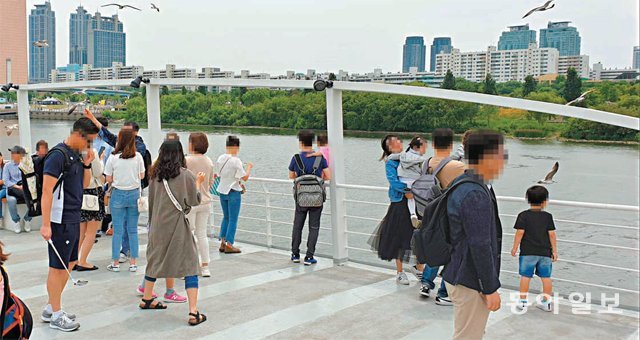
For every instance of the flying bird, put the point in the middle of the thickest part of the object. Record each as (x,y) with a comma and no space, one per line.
(10,128)
(121,6)
(41,43)
(153,6)
(548,179)
(540,9)
(579,99)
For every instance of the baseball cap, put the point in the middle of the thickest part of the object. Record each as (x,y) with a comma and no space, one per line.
(18,149)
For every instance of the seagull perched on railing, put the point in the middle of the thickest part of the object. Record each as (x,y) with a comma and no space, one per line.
(548,179)
(41,43)
(153,6)
(540,9)
(579,99)
(121,6)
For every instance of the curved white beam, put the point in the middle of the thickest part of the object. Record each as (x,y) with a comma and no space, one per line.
(516,103)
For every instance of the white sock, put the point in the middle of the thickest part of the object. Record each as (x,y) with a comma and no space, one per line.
(57,315)
(411,204)
(48,308)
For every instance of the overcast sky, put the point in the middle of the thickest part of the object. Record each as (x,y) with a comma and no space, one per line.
(328,35)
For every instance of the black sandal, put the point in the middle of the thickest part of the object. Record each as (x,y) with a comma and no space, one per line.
(147,305)
(199,318)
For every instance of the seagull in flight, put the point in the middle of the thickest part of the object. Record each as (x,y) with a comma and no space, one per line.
(548,179)
(540,9)
(153,6)
(121,6)
(41,43)
(579,99)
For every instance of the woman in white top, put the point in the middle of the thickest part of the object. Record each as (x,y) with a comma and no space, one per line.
(198,162)
(91,218)
(231,172)
(124,170)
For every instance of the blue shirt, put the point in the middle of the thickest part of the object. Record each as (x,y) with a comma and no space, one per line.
(112,139)
(397,189)
(11,174)
(73,182)
(308,163)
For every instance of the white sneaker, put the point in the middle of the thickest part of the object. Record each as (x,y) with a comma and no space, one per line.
(402,279)
(16,227)
(123,258)
(113,268)
(414,221)
(206,272)
(522,305)
(546,305)
(26,226)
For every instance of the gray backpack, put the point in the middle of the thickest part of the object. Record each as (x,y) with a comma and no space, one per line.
(308,189)
(427,187)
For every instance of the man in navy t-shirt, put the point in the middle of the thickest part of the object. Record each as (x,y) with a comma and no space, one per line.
(306,138)
(66,174)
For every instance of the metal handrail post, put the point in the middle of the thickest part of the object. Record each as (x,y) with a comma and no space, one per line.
(335,132)
(24,119)
(153,118)
(268,209)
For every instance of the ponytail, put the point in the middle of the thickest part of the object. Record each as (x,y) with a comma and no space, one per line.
(385,146)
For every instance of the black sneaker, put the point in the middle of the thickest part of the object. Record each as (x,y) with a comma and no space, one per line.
(425,291)
(295,258)
(309,261)
(443,301)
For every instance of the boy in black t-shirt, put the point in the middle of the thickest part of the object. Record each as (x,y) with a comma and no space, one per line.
(536,237)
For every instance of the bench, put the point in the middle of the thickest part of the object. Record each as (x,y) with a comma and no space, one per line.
(22,209)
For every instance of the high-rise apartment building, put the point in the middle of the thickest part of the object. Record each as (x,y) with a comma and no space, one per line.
(414,54)
(472,66)
(562,37)
(79,24)
(517,38)
(42,27)
(439,45)
(636,57)
(579,62)
(106,41)
(13,42)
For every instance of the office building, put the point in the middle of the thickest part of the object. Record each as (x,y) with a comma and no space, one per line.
(599,73)
(377,76)
(106,42)
(414,54)
(561,36)
(42,27)
(636,57)
(579,62)
(517,38)
(13,42)
(71,72)
(79,24)
(503,65)
(439,45)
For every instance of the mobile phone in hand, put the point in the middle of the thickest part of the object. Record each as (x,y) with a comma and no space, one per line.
(102,148)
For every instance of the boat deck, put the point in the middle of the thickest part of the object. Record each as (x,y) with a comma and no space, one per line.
(261,294)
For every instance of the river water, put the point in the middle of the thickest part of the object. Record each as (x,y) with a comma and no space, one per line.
(588,173)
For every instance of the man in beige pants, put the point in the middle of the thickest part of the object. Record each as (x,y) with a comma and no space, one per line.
(472,275)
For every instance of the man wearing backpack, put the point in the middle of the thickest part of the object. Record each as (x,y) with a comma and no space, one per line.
(475,234)
(111,139)
(442,146)
(66,174)
(309,174)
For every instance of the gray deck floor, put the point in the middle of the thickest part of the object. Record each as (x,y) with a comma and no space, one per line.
(260,294)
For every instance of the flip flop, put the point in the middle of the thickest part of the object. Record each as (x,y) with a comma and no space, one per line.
(85,269)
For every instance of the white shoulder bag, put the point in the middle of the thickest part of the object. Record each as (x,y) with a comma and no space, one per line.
(91,202)
(143,203)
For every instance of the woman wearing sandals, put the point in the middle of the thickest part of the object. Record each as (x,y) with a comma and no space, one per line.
(92,213)
(171,251)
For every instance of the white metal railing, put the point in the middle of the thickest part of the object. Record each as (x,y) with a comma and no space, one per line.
(269,234)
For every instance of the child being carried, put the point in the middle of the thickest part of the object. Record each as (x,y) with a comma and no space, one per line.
(410,169)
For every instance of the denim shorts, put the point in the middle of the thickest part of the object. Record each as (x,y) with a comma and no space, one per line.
(541,265)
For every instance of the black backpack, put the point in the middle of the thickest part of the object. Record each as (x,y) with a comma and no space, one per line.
(432,243)
(147,164)
(16,320)
(33,203)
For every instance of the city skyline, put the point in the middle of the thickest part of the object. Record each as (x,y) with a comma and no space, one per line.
(42,26)
(283,35)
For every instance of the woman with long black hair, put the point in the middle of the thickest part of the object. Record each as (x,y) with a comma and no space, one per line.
(392,238)
(171,251)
